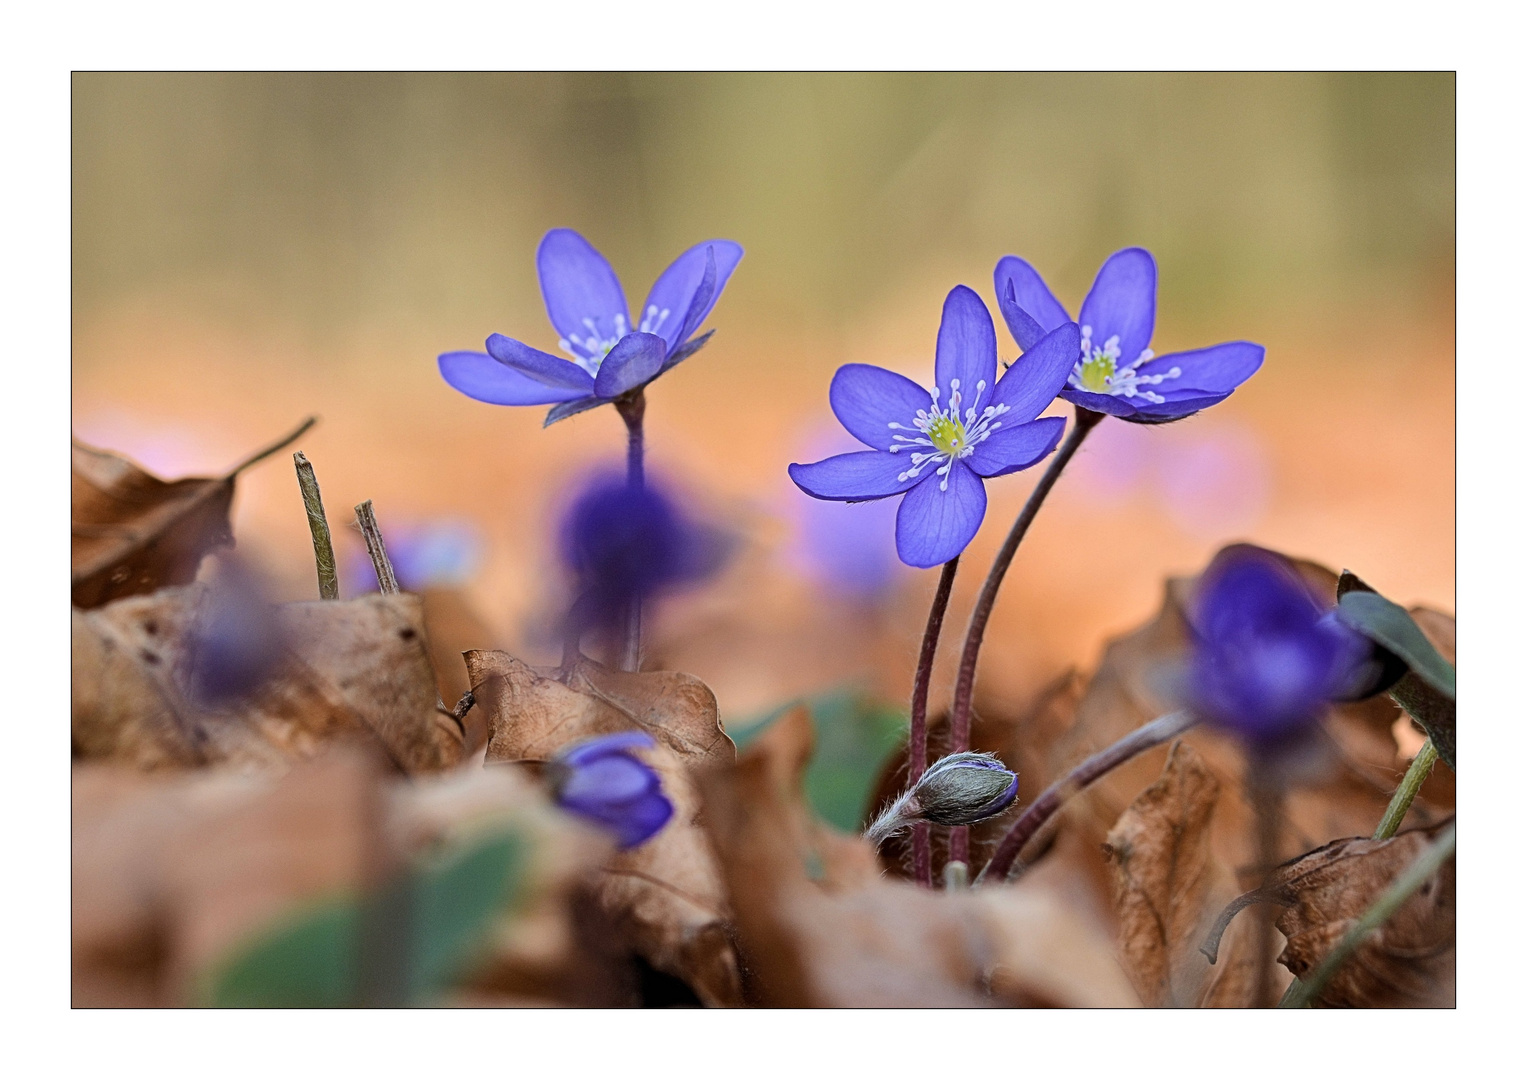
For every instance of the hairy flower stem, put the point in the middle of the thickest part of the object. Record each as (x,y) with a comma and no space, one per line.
(1304,991)
(1405,794)
(1160,730)
(632,407)
(965,681)
(917,735)
(1266,790)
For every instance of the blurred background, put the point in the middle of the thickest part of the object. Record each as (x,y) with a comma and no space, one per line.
(250,249)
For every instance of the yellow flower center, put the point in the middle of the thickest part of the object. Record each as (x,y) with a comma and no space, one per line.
(1097,371)
(947,434)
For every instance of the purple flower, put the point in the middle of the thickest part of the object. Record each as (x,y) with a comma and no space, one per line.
(1266,657)
(937,453)
(624,544)
(601,780)
(610,354)
(1116,373)
(236,641)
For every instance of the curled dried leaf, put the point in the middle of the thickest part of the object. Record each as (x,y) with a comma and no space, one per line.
(666,895)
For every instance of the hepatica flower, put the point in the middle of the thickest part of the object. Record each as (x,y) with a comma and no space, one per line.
(601,780)
(1266,658)
(608,352)
(937,447)
(1115,372)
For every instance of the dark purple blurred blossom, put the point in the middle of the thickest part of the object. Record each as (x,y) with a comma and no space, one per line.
(601,780)
(236,643)
(626,544)
(424,554)
(1115,372)
(937,448)
(1266,659)
(610,355)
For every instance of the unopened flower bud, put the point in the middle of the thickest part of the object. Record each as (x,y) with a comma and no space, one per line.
(600,780)
(960,789)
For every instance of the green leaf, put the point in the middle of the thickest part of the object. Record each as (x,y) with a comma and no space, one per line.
(854,737)
(422,932)
(1429,689)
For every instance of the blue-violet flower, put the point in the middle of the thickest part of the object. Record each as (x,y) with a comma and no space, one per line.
(602,780)
(938,453)
(1115,371)
(610,355)
(1266,658)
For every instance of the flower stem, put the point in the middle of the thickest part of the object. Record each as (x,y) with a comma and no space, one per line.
(1405,794)
(1160,730)
(1267,797)
(964,686)
(917,735)
(1304,991)
(632,407)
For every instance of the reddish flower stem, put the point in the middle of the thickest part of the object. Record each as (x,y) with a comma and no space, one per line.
(632,407)
(965,681)
(1160,730)
(917,736)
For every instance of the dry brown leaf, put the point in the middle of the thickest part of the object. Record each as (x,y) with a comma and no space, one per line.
(820,928)
(133,533)
(665,895)
(1407,962)
(172,871)
(351,666)
(1168,887)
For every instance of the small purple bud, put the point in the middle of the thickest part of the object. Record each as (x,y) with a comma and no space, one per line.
(601,780)
(960,789)
(1265,659)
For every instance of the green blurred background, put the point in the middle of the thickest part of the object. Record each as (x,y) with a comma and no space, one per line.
(249,248)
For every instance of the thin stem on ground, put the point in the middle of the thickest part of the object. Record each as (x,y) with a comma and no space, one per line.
(1160,730)
(964,686)
(318,525)
(917,735)
(1405,794)
(386,580)
(1267,797)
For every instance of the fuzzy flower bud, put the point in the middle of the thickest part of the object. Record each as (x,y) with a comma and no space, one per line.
(960,789)
(601,780)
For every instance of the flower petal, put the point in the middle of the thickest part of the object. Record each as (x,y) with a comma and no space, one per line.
(1179,408)
(933,524)
(478,375)
(967,346)
(1218,368)
(1108,404)
(867,399)
(578,284)
(600,786)
(686,350)
(542,367)
(634,360)
(1009,449)
(856,477)
(1030,294)
(675,289)
(572,408)
(1123,302)
(1036,377)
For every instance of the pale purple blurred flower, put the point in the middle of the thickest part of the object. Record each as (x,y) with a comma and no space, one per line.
(443,552)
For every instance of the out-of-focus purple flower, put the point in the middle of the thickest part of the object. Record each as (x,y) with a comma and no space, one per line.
(601,780)
(236,643)
(610,354)
(939,454)
(1266,659)
(849,549)
(625,544)
(1115,371)
(423,554)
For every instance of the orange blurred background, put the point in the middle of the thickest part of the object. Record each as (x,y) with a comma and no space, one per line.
(251,249)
